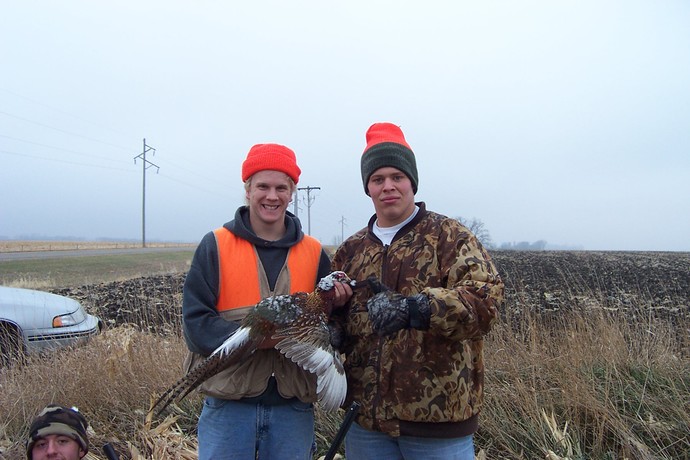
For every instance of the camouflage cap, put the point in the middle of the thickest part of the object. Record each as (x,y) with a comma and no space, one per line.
(55,419)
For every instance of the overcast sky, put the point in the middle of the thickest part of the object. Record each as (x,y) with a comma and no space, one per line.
(563,121)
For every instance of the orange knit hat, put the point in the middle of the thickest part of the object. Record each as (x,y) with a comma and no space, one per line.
(275,157)
(386,146)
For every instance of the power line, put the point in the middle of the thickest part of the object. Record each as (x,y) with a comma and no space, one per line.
(168,163)
(62,112)
(187,184)
(111,168)
(58,148)
(38,157)
(62,130)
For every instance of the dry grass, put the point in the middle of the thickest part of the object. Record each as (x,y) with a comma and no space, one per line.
(594,386)
(111,381)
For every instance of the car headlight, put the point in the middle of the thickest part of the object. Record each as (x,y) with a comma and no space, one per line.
(69,319)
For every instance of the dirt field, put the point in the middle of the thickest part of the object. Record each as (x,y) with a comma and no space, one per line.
(567,279)
(549,282)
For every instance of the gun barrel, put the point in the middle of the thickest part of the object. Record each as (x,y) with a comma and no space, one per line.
(344,427)
(110,452)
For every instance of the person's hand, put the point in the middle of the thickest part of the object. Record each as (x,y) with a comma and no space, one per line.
(343,292)
(390,311)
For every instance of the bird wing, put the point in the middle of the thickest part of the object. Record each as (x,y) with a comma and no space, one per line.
(307,343)
(235,348)
(302,343)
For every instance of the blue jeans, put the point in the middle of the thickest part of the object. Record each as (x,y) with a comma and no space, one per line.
(240,430)
(361,444)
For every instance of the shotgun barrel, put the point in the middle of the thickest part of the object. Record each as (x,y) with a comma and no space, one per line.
(110,452)
(344,427)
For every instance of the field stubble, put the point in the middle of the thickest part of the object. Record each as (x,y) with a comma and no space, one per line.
(591,360)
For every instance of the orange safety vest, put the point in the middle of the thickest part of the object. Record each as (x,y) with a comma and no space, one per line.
(238,264)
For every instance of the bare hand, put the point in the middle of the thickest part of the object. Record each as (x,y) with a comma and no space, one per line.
(343,292)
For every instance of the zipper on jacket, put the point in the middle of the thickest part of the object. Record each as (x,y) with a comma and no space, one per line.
(376,402)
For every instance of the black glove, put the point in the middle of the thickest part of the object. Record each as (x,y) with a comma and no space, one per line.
(390,311)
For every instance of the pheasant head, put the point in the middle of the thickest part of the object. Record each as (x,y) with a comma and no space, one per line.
(325,289)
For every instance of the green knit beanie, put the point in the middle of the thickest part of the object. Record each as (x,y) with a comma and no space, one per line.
(386,146)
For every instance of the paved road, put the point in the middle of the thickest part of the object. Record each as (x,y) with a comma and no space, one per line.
(28,255)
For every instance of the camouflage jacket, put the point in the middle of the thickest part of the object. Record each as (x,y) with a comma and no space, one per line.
(420,383)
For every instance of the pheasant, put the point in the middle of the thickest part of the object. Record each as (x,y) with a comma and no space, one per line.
(299,322)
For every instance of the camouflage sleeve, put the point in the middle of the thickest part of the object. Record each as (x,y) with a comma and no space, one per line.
(468,306)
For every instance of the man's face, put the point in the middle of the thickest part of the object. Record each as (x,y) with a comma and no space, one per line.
(57,447)
(268,196)
(391,191)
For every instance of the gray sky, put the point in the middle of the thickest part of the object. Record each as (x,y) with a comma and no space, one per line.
(562,121)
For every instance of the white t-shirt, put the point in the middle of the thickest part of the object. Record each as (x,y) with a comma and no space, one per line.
(386,234)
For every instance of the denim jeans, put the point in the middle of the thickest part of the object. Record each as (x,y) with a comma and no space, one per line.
(361,444)
(240,430)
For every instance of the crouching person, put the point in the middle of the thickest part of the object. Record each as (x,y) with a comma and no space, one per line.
(57,432)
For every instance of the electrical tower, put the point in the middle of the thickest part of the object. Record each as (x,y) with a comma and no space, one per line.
(309,202)
(145,164)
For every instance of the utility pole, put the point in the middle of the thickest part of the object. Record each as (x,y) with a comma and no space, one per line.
(309,202)
(145,164)
(342,229)
(294,203)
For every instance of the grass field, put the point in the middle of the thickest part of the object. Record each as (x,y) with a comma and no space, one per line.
(83,270)
(37,245)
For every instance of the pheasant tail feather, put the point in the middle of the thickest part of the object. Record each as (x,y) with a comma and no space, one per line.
(235,349)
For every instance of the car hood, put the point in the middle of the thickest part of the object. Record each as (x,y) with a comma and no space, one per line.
(18,302)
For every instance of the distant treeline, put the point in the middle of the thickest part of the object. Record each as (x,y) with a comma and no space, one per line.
(482,233)
(539,245)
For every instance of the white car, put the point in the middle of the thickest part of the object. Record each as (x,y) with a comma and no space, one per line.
(32,321)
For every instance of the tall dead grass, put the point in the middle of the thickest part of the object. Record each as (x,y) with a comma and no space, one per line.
(580,383)
(111,381)
(590,383)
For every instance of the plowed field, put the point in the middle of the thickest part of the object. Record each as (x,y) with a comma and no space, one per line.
(546,282)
